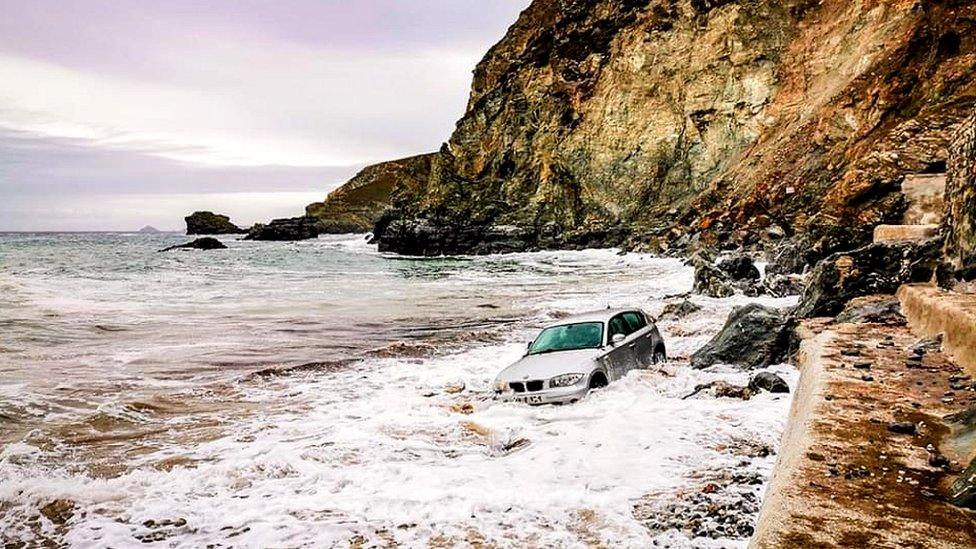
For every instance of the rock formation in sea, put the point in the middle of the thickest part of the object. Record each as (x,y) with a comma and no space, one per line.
(205,243)
(149,229)
(293,228)
(664,124)
(210,223)
(356,206)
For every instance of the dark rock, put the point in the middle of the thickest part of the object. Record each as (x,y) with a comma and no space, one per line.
(740,267)
(862,365)
(210,223)
(754,336)
(424,237)
(878,309)
(867,377)
(963,490)
(722,389)
(679,310)
(874,269)
(783,285)
(903,428)
(294,228)
(927,345)
(710,280)
(768,381)
(205,243)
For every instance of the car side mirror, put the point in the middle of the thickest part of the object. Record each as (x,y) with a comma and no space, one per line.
(617,339)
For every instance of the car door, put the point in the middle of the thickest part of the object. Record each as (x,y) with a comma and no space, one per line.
(640,338)
(621,358)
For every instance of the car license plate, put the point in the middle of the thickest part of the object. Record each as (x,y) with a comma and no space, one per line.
(529,399)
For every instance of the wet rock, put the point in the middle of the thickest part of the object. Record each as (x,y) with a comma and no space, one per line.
(59,511)
(210,223)
(877,309)
(878,268)
(722,389)
(768,381)
(205,243)
(679,310)
(783,285)
(927,345)
(963,490)
(294,228)
(710,280)
(739,267)
(903,427)
(754,336)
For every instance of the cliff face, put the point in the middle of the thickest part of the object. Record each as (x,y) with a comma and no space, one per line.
(599,122)
(356,206)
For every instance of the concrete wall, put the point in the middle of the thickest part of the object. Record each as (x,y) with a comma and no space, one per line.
(959,224)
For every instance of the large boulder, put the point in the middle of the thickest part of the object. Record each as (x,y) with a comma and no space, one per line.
(879,268)
(210,223)
(754,336)
(294,228)
(205,243)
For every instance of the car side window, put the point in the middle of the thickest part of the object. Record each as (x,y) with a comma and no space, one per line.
(618,326)
(635,321)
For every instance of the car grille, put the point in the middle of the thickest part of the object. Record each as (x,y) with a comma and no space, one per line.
(531,386)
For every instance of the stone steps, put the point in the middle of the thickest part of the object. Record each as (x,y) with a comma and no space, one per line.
(926,198)
(925,194)
(931,311)
(903,233)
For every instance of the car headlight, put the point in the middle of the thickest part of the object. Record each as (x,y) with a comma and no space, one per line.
(565,380)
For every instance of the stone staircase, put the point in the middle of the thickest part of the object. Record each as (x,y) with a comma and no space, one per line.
(925,194)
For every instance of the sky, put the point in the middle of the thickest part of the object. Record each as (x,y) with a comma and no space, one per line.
(120,114)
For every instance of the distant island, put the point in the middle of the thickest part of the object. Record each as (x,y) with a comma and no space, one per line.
(149,229)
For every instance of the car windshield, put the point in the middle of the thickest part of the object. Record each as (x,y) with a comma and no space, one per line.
(584,335)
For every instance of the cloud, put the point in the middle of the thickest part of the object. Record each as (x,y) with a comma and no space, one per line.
(129,98)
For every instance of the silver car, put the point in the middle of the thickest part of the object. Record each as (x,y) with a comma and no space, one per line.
(579,353)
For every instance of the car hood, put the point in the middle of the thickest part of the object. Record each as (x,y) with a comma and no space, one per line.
(547,365)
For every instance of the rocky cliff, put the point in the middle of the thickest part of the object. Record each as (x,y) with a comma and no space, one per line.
(656,123)
(959,226)
(357,205)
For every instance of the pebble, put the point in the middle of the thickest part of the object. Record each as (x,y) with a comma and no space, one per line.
(862,365)
(867,377)
(903,428)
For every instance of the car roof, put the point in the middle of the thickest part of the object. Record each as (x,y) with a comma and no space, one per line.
(603,315)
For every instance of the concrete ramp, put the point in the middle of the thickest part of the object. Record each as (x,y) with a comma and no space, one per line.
(854,468)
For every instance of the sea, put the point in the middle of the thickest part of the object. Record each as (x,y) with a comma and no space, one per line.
(323,394)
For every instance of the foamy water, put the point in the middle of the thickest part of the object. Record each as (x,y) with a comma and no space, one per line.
(136,385)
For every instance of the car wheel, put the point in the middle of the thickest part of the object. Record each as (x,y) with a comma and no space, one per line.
(598,380)
(659,355)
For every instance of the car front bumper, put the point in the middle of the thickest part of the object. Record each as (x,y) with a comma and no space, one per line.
(559,395)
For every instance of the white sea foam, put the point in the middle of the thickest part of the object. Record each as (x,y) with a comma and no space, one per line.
(385,452)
